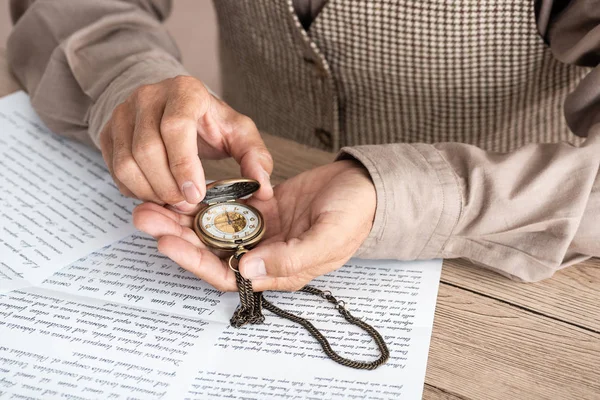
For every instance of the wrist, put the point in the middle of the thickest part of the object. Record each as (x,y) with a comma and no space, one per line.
(418,200)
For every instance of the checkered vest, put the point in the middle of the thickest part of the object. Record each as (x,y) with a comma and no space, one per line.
(384,71)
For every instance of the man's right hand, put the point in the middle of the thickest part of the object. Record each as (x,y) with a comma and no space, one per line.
(155,140)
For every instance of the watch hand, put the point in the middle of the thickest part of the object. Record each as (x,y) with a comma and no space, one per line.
(228,219)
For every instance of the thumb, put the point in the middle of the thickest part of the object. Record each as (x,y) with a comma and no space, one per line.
(246,146)
(295,262)
(257,163)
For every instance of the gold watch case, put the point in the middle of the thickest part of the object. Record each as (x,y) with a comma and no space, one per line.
(225,192)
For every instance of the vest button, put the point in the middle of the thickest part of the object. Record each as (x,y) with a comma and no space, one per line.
(324,136)
(319,68)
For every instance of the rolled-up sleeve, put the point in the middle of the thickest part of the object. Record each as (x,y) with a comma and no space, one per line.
(524,214)
(79,59)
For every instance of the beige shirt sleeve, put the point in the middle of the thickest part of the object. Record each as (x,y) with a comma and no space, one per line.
(524,214)
(79,59)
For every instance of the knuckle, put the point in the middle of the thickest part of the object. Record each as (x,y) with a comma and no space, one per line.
(169,194)
(246,124)
(173,126)
(182,164)
(119,112)
(183,82)
(265,154)
(147,149)
(143,93)
(125,167)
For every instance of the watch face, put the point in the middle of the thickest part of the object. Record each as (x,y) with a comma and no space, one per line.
(230,222)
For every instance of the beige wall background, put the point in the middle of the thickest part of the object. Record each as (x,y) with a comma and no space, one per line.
(192,24)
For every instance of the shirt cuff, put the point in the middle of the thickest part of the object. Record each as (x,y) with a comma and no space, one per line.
(418,200)
(144,72)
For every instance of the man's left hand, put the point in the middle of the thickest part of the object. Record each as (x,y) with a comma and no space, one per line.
(314,223)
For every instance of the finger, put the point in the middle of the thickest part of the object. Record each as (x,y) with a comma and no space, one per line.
(185,208)
(106,149)
(159,222)
(149,150)
(252,165)
(299,259)
(202,263)
(245,145)
(186,103)
(125,167)
(182,219)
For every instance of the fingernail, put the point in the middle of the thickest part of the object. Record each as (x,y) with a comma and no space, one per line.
(191,193)
(255,268)
(183,206)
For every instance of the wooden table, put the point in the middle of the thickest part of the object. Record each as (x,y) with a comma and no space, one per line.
(492,338)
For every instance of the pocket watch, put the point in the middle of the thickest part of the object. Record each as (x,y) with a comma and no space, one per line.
(227,224)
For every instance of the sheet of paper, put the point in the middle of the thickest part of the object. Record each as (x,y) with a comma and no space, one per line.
(133,272)
(57,200)
(397,298)
(58,346)
(106,316)
(286,362)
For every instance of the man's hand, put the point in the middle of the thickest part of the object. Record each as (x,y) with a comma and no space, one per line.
(154,141)
(314,223)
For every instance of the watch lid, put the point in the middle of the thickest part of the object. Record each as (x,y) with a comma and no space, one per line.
(229,189)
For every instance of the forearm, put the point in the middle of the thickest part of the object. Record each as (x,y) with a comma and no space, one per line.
(78,60)
(525,214)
